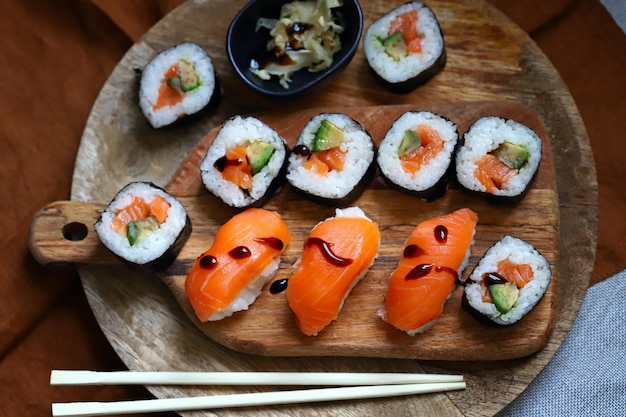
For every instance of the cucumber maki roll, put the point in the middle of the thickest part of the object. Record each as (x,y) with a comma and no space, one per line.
(333,159)
(178,82)
(417,153)
(508,282)
(245,162)
(144,225)
(405,47)
(498,158)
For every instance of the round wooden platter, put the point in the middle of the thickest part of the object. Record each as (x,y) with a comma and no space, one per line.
(489,60)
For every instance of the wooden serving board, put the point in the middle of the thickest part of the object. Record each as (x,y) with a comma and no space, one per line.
(268,328)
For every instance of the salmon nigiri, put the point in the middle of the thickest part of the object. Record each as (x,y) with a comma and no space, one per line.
(337,254)
(434,256)
(244,256)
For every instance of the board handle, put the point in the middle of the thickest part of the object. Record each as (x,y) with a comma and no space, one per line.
(61,235)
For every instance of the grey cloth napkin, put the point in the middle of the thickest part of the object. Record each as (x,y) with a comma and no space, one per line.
(587,374)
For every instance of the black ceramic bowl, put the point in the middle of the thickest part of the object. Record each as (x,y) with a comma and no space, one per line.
(243,43)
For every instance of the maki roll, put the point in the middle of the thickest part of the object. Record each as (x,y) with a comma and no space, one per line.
(333,159)
(405,47)
(245,254)
(416,154)
(498,158)
(245,162)
(144,225)
(507,283)
(179,81)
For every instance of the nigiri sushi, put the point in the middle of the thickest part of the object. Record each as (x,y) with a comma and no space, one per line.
(337,254)
(433,258)
(244,256)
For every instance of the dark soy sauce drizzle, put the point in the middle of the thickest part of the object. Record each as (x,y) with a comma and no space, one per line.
(208,262)
(492,278)
(412,251)
(328,253)
(223,162)
(273,242)
(441,233)
(422,270)
(302,150)
(279,286)
(240,252)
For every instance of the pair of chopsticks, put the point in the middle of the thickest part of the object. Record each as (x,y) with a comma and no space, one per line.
(346,386)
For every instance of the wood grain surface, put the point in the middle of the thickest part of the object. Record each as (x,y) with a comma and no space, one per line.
(268,328)
(489,59)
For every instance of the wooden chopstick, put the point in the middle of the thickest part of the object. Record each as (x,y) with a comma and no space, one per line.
(250,399)
(61,377)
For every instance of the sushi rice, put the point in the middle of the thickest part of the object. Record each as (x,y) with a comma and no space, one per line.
(519,252)
(337,185)
(430,174)
(241,131)
(418,67)
(193,101)
(485,135)
(162,244)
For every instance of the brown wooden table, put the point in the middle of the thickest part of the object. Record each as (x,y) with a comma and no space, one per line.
(40,304)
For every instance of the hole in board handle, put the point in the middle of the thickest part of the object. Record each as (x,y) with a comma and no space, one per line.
(75,231)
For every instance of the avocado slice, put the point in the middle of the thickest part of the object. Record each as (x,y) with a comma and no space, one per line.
(410,142)
(140,229)
(187,75)
(395,46)
(512,155)
(504,295)
(328,136)
(258,154)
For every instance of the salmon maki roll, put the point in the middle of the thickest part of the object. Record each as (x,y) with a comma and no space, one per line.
(144,226)
(498,158)
(508,282)
(178,82)
(416,154)
(337,254)
(244,256)
(433,259)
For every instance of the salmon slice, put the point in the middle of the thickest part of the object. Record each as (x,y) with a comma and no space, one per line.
(433,258)
(493,173)
(336,255)
(431,145)
(245,253)
(406,24)
(521,274)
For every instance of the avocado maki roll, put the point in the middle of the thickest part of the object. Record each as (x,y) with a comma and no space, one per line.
(245,162)
(405,47)
(417,153)
(498,158)
(508,282)
(333,160)
(178,82)
(144,226)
